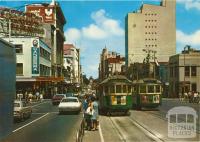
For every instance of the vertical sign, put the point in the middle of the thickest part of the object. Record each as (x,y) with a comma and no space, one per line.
(35,57)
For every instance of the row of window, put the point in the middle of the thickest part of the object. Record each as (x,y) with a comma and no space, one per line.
(44,70)
(150,32)
(45,54)
(150,26)
(150,20)
(151,45)
(188,71)
(118,89)
(150,14)
(150,38)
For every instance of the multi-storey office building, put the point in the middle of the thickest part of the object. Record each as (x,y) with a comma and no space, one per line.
(72,63)
(184,74)
(152,28)
(33,65)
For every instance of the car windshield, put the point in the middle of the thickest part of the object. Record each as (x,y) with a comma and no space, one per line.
(69,100)
(69,94)
(16,105)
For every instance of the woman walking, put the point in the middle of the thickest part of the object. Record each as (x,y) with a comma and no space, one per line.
(94,117)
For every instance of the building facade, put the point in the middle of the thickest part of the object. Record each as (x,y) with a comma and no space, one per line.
(152,28)
(184,72)
(110,63)
(33,65)
(53,22)
(72,64)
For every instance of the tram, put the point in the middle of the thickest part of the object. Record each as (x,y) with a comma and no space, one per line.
(147,93)
(115,95)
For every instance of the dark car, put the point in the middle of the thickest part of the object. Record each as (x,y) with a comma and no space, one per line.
(56,99)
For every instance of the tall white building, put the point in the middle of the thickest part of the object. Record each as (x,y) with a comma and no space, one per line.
(153,28)
(71,63)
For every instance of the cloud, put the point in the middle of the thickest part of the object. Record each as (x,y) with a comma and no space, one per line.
(190,4)
(91,39)
(188,39)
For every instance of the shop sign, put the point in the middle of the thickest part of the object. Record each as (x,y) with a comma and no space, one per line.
(35,60)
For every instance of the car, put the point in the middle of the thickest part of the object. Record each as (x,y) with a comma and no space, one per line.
(70,104)
(57,98)
(21,110)
(69,94)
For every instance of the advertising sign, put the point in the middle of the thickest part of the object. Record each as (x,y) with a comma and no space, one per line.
(46,13)
(35,60)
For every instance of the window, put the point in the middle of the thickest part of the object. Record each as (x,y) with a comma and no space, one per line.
(158,89)
(112,89)
(193,71)
(106,89)
(129,88)
(150,89)
(19,69)
(194,87)
(187,71)
(142,88)
(19,48)
(124,89)
(118,89)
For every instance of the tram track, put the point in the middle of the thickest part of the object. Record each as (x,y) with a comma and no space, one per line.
(122,135)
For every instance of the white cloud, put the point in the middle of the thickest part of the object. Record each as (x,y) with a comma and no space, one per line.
(190,4)
(193,39)
(91,39)
(72,35)
(187,39)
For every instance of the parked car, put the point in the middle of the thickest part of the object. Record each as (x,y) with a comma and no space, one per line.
(70,104)
(57,98)
(21,110)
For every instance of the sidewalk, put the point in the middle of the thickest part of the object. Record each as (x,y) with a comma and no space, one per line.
(91,136)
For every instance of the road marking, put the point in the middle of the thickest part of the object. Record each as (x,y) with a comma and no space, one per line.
(30,122)
(100,132)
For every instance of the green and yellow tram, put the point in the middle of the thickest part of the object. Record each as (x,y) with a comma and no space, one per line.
(147,92)
(115,95)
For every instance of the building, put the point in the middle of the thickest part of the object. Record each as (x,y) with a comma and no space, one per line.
(33,65)
(151,28)
(7,87)
(184,74)
(72,64)
(53,23)
(110,63)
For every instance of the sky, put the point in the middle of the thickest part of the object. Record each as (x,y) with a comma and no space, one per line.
(94,25)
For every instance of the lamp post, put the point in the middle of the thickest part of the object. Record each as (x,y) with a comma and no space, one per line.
(184,51)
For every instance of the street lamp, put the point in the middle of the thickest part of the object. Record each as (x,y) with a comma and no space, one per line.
(184,51)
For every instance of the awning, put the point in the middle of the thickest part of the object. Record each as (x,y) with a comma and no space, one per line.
(38,79)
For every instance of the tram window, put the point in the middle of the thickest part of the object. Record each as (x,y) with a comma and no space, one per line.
(190,118)
(150,89)
(173,118)
(129,89)
(157,88)
(181,118)
(112,89)
(106,89)
(124,89)
(118,89)
(142,88)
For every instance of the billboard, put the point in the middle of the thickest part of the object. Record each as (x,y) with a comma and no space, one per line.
(35,57)
(45,12)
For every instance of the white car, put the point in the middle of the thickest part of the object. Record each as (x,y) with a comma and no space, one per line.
(69,104)
(21,110)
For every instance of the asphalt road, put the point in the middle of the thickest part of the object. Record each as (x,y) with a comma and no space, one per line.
(46,125)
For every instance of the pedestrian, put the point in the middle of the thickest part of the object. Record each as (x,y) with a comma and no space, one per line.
(95,114)
(88,115)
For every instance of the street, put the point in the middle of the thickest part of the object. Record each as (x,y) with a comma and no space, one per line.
(46,125)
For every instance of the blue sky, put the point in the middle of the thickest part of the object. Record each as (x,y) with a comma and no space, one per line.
(92,25)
